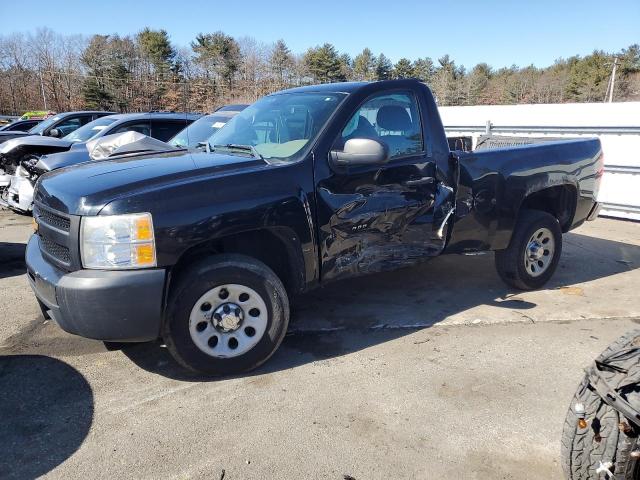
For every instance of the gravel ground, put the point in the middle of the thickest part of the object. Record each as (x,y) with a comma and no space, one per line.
(437,371)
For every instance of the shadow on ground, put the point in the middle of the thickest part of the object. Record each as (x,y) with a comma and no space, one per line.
(12,259)
(348,316)
(46,408)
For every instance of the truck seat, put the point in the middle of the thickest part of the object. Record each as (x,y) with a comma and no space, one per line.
(396,129)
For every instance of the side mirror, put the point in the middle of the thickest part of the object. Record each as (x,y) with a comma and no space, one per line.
(361,151)
(54,132)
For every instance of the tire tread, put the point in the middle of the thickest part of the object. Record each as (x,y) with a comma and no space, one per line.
(580,452)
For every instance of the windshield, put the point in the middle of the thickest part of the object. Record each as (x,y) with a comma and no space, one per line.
(89,130)
(200,130)
(279,126)
(42,126)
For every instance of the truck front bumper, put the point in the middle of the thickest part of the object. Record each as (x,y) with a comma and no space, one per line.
(124,305)
(20,194)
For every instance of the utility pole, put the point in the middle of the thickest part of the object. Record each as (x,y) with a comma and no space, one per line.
(613,79)
(44,98)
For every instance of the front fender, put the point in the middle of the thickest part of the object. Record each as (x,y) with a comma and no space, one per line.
(193,213)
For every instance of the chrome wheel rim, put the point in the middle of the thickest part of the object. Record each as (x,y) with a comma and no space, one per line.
(539,252)
(228,321)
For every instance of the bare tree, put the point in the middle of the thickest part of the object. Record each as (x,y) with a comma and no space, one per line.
(147,71)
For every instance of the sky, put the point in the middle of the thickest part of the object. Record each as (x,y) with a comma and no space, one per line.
(500,33)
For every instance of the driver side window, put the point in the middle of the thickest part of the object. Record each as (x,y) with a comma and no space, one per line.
(68,126)
(392,119)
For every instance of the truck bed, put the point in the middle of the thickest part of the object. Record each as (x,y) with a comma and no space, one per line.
(494,183)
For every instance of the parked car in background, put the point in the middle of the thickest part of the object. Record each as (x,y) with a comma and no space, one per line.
(57,126)
(19,126)
(198,132)
(304,187)
(7,119)
(26,158)
(233,107)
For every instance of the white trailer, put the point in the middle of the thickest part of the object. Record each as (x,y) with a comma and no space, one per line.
(616,124)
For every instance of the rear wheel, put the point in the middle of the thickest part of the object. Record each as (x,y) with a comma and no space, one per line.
(226,314)
(533,253)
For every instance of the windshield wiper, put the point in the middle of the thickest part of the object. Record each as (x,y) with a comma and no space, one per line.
(241,148)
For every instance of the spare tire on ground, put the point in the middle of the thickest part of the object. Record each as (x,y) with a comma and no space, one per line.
(600,435)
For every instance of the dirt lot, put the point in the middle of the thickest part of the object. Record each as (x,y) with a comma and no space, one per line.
(437,371)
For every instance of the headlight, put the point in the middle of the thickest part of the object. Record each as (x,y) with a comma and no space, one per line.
(117,241)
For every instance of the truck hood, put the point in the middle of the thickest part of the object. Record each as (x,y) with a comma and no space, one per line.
(77,154)
(14,133)
(87,188)
(5,136)
(36,141)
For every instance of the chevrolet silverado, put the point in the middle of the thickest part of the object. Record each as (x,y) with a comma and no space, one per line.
(304,187)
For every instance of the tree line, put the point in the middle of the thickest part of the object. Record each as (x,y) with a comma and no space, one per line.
(146,71)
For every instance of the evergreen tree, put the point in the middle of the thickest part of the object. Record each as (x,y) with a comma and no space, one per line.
(281,61)
(95,95)
(157,55)
(589,77)
(323,64)
(156,47)
(629,72)
(218,54)
(444,81)
(477,82)
(423,69)
(346,66)
(403,69)
(384,67)
(364,66)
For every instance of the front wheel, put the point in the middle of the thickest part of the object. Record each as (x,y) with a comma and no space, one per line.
(533,253)
(227,314)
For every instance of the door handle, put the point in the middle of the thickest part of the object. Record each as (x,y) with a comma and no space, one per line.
(419,181)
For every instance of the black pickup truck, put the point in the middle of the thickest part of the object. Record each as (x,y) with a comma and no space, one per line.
(306,186)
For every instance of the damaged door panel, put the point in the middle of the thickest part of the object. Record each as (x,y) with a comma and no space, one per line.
(376,217)
(382,225)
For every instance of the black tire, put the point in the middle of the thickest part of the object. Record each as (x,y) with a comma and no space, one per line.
(203,276)
(510,262)
(582,449)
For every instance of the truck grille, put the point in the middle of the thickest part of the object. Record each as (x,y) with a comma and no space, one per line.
(59,252)
(58,233)
(56,221)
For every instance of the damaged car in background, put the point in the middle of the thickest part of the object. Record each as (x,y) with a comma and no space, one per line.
(125,144)
(306,186)
(57,126)
(46,133)
(24,160)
